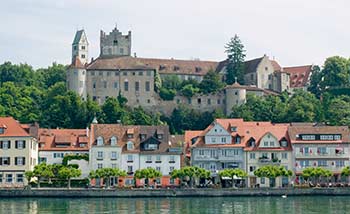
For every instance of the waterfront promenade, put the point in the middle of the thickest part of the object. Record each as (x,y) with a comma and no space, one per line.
(195,192)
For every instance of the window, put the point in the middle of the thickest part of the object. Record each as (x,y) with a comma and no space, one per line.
(100,73)
(262,180)
(266,143)
(149,159)
(322,150)
(1,178)
(8,178)
(20,144)
(171,169)
(284,143)
(189,100)
(158,159)
(339,163)
(130,145)
(252,168)
(58,155)
(130,169)
(308,137)
(149,73)
(252,155)
(171,159)
(94,85)
(158,168)
(199,100)
(5,144)
(237,139)
(213,139)
(20,161)
(19,178)
(284,155)
(140,73)
(114,155)
(137,86)
(115,42)
(100,141)
(326,137)
(114,166)
(100,155)
(233,128)
(235,152)
(337,137)
(172,181)
(121,51)
(322,163)
(209,101)
(126,85)
(113,141)
(130,158)
(105,84)
(42,160)
(272,143)
(304,163)
(223,140)
(148,86)
(5,161)
(83,56)
(99,166)
(201,152)
(115,85)
(160,136)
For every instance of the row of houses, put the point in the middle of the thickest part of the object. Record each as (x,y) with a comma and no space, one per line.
(235,143)
(128,148)
(226,143)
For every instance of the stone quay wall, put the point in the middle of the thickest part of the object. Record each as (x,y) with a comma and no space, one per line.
(126,193)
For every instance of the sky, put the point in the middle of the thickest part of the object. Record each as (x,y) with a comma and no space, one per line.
(293,32)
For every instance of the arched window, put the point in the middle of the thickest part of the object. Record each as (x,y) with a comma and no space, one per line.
(100,141)
(113,141)
(130,145)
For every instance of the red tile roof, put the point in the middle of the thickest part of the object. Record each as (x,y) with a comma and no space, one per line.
(76,63)
(164,66)
(246,131)
(276,66)
(12,128)
(69,139)
(299,75)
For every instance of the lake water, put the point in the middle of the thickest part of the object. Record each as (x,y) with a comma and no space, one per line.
(234,205)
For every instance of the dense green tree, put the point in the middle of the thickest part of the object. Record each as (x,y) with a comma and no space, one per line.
(52,75)
(338,112)
(189,90)
(157,81)
(272,172)
(106,174)
(43,170)
(112,111)
(233,173)
(315,80)
(304,107)
(167,94)
(171,82)
(335,72)
(235,60)
(191,174)
(140,117)
(148,173)
(20,75)
(68,173)
(211,83)
(315,174)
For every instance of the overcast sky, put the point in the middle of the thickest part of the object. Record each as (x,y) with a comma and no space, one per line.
(295,32)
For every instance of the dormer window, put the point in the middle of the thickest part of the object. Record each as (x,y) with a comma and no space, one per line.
(115,42)
(143,136)
(130,136)
(284,143)
(113,141)
(99,141)
(251,142)
(2,129)
(130,145)
(160,136)
(237,140)
(233,128)
(130,133)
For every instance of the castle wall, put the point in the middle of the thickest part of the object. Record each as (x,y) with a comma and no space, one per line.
(115,44)
(76,81)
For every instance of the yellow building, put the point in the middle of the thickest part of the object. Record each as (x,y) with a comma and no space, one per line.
(18,151)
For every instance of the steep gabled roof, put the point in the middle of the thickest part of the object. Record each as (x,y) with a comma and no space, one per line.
(12,128)
(299,75)
(71,138)
(78,36)
(252,65)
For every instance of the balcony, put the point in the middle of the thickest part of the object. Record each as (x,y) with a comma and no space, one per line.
(269,161)
(321,155)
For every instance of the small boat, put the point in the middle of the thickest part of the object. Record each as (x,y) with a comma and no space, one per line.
(284,196)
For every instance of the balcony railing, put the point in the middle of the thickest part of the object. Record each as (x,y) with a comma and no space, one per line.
(274,161)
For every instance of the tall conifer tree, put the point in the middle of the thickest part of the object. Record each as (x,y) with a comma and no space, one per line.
(235,57)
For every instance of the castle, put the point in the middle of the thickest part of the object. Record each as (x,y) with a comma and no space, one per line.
(116,72)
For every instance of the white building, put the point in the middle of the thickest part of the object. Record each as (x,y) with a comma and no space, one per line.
(18,151)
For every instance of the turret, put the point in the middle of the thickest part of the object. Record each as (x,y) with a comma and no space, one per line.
(76,73)
(235,95)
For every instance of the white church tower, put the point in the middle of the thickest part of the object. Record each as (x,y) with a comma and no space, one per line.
(76,73)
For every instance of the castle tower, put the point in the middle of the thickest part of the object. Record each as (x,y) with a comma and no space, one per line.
(115,43)
(76,73)
(235,95)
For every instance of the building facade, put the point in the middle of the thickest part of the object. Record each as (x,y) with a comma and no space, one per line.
(18,151)
(319,146)
(54,144)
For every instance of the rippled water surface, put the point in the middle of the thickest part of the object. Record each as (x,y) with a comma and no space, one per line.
(316,204)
